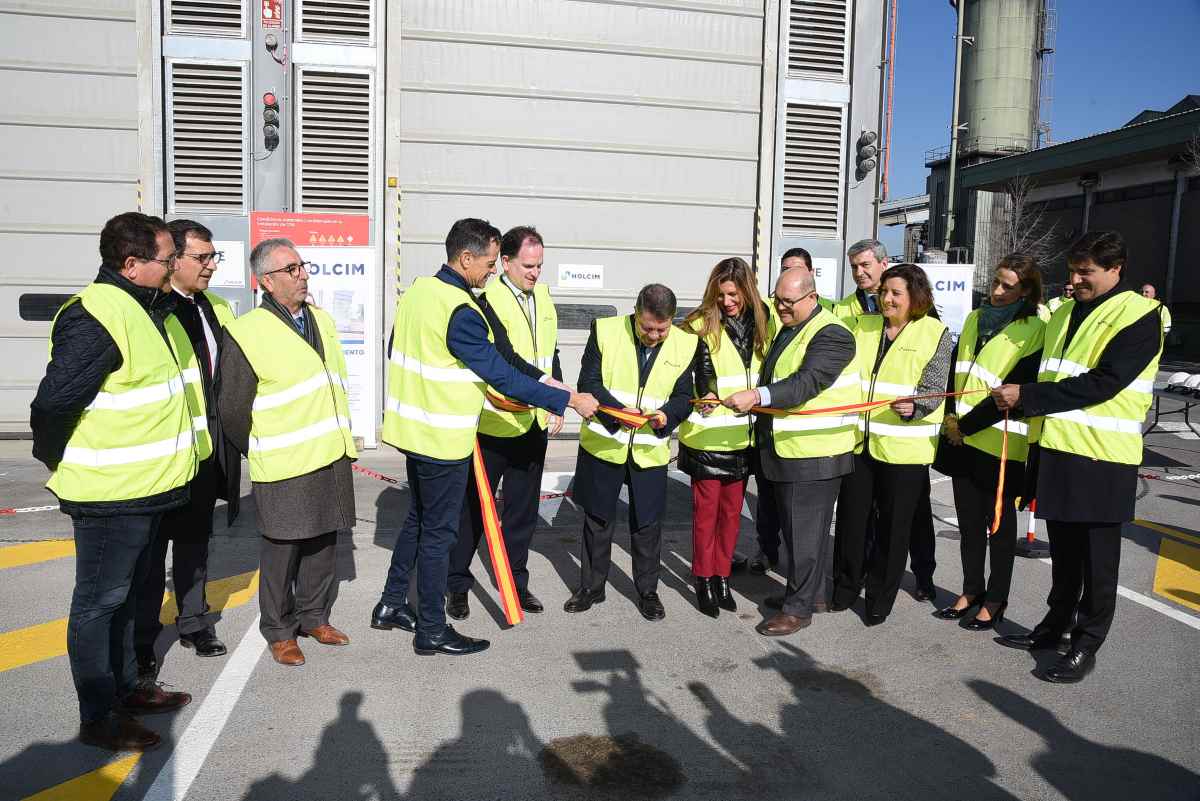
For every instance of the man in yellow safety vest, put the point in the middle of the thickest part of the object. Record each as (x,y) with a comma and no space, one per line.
(112,423)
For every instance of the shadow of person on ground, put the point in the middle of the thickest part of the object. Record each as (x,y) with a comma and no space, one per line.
(839,738)
(1083,770)
(350,763)
(497,744)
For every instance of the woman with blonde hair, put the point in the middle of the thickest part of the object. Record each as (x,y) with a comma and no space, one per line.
(735,329)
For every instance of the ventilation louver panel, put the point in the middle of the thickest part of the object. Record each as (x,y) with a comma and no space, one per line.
(817,38)
(206,17)
(207,137)
(335,21)
(335,141)
(812,167)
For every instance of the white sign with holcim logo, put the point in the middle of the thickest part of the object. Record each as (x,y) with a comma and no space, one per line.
(588,276)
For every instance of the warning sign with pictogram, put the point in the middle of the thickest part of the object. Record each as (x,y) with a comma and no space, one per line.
(314,230)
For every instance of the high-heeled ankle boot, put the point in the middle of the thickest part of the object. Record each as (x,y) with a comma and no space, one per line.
(704,597)
(722,594)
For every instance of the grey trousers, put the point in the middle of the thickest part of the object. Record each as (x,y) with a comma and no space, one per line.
(805,514)
(295,586)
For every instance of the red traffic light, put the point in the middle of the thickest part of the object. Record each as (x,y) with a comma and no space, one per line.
(269,99)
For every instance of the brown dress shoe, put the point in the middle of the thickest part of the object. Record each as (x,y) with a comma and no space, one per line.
(118,732)
(782,625)
(151,699)
(326,635)
(287,652)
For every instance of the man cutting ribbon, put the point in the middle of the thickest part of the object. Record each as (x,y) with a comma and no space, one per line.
(642,364)
(442,360)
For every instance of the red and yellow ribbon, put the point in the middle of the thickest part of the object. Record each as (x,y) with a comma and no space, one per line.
(999,510)
(495,540)
(632,419)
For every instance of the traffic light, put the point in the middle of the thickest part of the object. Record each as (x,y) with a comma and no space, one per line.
(270,121)
(865,154)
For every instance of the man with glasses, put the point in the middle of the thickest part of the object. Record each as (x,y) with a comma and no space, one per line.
(196,329)
(110,423)
(283,403)
(810,364)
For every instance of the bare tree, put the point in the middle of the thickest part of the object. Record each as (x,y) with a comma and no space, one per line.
(1022,227)
(1191,154)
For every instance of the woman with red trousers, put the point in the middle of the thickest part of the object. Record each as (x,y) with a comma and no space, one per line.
(735,329)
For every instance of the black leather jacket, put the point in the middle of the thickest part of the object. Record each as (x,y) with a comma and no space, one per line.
(735,465)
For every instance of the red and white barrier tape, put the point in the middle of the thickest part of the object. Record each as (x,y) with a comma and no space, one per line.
(11,511)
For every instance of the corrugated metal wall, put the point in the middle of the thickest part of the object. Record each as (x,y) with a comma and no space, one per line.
(69,157)
(628,133)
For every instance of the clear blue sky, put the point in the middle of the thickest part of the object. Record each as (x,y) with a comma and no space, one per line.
(1112,59)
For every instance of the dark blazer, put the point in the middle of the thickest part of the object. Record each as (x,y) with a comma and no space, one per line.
(825,358)
(227,459)
(597,482)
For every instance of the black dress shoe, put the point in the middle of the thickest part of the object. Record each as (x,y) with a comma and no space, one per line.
(975,624)
(705,600)
(582,600)
(950,613)
(761,562)
(1036,640)
(530,603)
(873,620)
(457,606)
(449,642)
(386,617)
(651,607)
(722,593)
(1073,667)
(739,562)
(925,592)
(204,642)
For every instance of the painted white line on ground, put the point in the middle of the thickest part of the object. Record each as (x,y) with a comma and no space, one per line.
(176,777)
(1159,606)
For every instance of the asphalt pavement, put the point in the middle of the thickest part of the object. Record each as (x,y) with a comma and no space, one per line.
(607,705)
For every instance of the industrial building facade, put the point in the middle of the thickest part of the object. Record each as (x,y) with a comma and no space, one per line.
(645,140)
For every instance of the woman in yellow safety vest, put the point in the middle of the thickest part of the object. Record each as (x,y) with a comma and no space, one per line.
(1001,343)
(902,353)
(735,329)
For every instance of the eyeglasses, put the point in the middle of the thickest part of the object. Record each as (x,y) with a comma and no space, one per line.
(788,303)
(291,269)
(216,257)
(167,262)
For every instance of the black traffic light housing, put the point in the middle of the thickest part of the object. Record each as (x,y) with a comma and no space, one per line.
(270,121)
(866,154)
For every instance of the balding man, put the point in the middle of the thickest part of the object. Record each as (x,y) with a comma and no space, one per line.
(1148,291)
(810,365)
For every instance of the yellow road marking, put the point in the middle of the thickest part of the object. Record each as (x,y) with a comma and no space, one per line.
(98,785)
(44,641)
(30,553)
(1170,532)
(1177,574)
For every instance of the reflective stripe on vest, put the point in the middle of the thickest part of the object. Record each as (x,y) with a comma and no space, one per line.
(135,440)
(620,375)
(723,430)
(808,436)
(300,418)
(985,370)
(890,438)
(433,399)
(1110,431)
(193,380)
(492,421)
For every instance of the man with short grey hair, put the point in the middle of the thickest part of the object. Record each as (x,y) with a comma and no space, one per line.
(868,259)
(283,403)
